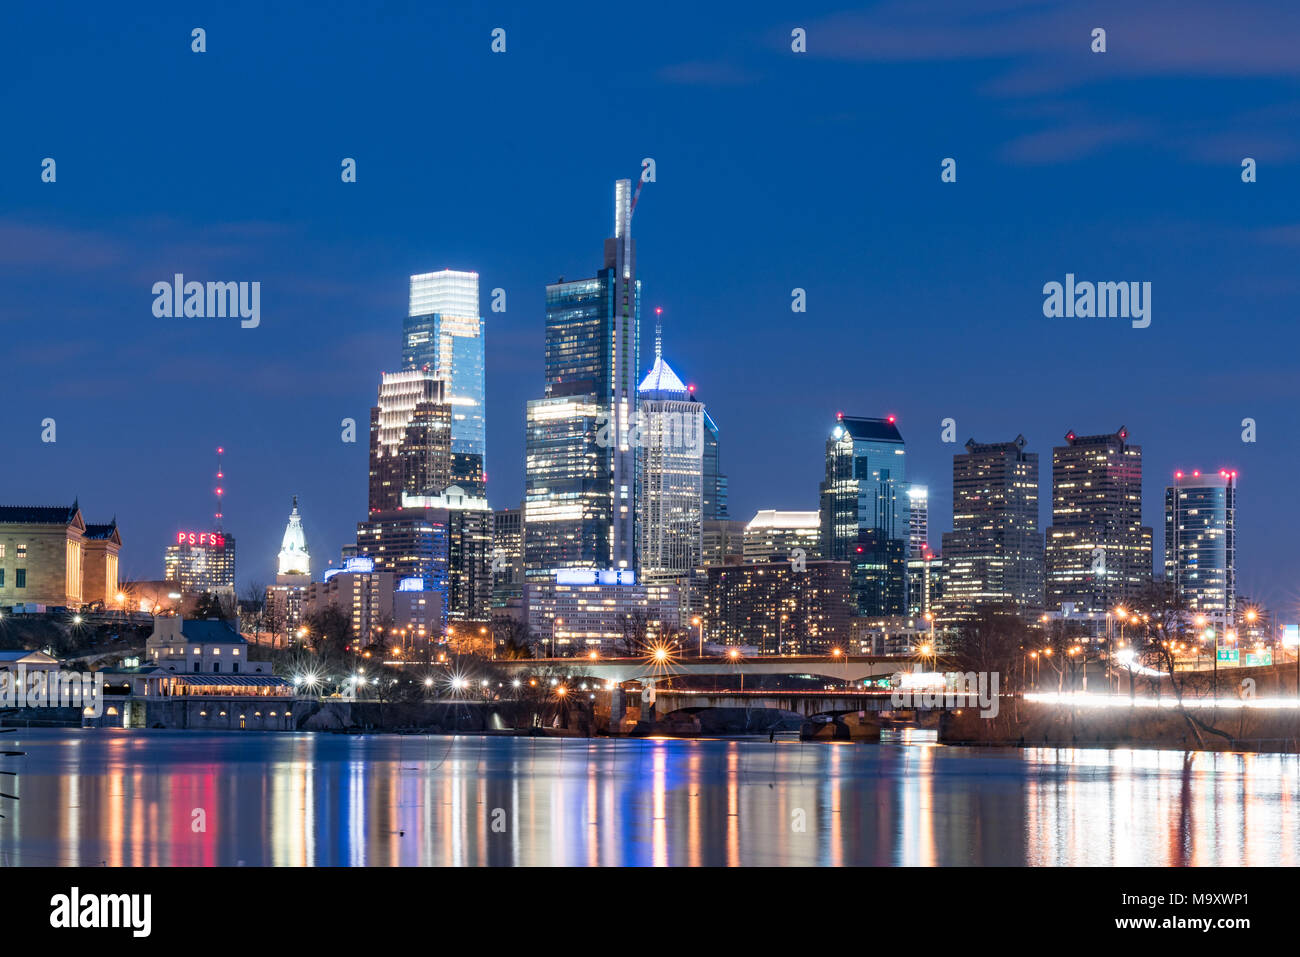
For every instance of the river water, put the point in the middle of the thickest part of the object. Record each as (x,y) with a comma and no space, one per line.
(143,798)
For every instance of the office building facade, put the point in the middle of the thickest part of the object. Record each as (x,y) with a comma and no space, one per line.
(777,610)
(580,487)
(1201,543)
(670,440)
(468,521)
(201,562)
(715,481)
(602,610)
(773,535)
(410,439)
(443,334)
(865,516)
(993,557)
(1098,552)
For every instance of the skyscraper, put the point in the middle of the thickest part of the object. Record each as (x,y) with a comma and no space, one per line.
(715,483)
(993,557)
(1201,543)
(918,538)
(507,557)
(580,489)
(443,334)
(865,518)
(201,562)
(413,544)
(410,439)
(1098,551)
(670,440)
(469,549)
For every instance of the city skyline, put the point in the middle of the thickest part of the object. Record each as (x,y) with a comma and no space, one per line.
(276,394)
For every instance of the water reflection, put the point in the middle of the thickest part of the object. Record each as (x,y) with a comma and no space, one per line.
(128,799)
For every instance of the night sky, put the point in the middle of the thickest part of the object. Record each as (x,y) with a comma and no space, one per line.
(775,170)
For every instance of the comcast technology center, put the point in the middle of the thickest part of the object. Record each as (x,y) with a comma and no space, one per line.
(444,332)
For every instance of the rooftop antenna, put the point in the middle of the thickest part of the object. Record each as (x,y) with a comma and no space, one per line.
(219,490)
(659,333)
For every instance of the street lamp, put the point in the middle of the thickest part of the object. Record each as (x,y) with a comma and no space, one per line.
(698,623)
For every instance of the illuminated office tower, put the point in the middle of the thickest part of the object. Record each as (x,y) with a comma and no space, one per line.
(1201,543)
(412,544)
(410,439)
(201,562)
(772,535)
(670,430)
(1098,551)
(580,486)
(443,334)
(865,515)
(993,557)
(507,557)
(567,502)
(469,549)
(918,538)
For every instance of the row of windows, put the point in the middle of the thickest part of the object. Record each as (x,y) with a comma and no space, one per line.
(20,551)
(20,576)
(196,650)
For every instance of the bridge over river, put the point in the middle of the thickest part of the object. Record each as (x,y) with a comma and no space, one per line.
(847,668)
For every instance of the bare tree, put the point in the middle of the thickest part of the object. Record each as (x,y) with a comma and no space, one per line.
(512,637)
(254,608)
(1163,626)
(635,627)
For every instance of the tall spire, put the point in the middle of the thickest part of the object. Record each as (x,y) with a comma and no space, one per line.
(659,333)
(294,559)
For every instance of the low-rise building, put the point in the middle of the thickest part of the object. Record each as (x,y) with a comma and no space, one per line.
(200,646)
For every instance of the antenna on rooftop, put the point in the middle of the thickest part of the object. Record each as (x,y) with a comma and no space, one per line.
(219,490)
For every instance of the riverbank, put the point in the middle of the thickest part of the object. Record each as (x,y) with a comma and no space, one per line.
(1032,724)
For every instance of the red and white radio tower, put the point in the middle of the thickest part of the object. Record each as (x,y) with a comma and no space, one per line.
(219,490)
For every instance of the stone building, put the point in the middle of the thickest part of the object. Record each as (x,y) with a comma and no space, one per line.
(50,556)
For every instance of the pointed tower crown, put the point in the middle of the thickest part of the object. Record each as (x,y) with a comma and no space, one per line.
(294,559)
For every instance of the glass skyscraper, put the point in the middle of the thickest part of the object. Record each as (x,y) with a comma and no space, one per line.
(671,474)
(866,513)
(580,488)
(715,482)
(1201,543)
(443,334)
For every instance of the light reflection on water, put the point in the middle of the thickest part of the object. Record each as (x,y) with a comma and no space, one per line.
(128,799)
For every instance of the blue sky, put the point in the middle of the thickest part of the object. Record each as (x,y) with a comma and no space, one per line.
(775,170)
